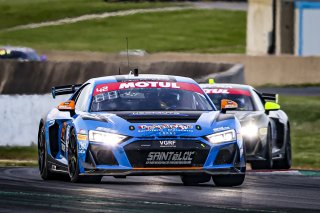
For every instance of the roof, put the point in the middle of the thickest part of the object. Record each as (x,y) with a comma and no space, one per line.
(141,77)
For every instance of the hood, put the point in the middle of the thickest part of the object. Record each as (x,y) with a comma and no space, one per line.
(154,124)
(244,116)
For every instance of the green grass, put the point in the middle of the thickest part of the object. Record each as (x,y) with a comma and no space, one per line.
(304,115)
(20,12)
(18,153)
(18,156)
(203,31)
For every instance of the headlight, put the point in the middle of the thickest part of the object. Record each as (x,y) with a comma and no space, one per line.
(220,137)
(250,130)
(105,137)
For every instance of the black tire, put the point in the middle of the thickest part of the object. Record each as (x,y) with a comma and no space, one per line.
(228,180)
(285,163)
(73,164)
(45,173)
(268,162)
(192,180)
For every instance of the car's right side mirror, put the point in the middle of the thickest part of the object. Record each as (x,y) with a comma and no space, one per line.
(228,105)
(271,106)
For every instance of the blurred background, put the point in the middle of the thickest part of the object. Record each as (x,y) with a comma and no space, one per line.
(270,44)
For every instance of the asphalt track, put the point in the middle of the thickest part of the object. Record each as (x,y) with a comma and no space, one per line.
(22,190)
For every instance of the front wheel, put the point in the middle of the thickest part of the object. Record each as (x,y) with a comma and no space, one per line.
(45,173)
(285,163)
(73,164)
(42,155)
(228,180)
(268,162)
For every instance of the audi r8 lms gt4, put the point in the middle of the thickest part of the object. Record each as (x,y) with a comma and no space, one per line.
(140,125)
(265,128)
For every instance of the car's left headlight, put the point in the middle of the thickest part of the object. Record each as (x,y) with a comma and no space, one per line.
(105,137)
(221,137)
(251,130)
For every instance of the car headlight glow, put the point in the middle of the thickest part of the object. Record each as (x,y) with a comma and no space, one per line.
(221,137)
(105,137)
(250,130)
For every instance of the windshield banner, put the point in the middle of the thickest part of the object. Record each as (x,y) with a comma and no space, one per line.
(102,88)
(227,91)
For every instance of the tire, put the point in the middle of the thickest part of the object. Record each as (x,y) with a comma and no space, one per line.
(192,180)
(285,163)
(73,163)
(45,173)
(268,162)
(228,180)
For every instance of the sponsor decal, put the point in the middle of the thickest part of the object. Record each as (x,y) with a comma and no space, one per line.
(227,91)
(167,158)
(82,147)
(102,88)
(82,137)
(83,132)
(220,129)
(67,138)
(168,143)
(216,91)
(156,113)
(103,129)
(166,127)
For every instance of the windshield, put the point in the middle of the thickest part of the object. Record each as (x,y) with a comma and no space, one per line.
(241,97)
(149,96)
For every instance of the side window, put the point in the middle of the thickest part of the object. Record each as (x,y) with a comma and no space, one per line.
(257,101)
(82,98)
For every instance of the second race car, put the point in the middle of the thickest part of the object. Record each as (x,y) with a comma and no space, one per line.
(140,125)
(265,128)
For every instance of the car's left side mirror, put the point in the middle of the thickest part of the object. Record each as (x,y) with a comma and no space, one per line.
(271,106)
(67,106)
(228,105)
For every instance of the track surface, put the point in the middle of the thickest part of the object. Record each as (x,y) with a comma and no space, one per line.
(22,190)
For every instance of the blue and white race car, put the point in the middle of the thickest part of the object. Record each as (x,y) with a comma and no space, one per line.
(140,125)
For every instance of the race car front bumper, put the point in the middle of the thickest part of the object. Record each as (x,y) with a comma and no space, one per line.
(171,156)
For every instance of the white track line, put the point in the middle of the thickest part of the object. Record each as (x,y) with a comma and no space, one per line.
(94,16)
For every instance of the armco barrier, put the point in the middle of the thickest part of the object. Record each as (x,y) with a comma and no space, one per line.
(38,77)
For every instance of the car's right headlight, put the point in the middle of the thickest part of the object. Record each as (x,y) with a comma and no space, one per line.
(221,137)
(105,137)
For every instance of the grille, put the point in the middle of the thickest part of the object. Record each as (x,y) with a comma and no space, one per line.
(167,153)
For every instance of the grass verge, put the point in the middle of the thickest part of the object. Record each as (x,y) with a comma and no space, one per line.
(304,117)
(202,31)
(21,12)
(18,156)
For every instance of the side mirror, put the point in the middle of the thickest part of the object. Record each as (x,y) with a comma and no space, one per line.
(67,106)
(228,105)
(271,106)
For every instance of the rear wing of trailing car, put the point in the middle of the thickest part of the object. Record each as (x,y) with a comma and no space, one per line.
(63,90)
(270,97)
